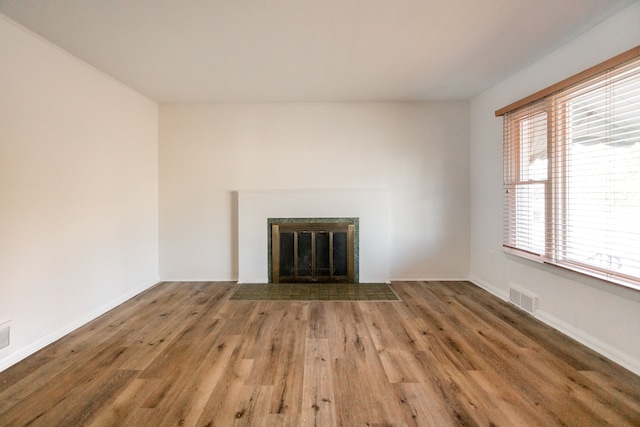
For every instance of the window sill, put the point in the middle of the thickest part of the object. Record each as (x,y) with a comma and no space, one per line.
(622,281)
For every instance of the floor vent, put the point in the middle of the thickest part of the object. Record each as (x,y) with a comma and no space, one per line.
(5,334)
(526,301)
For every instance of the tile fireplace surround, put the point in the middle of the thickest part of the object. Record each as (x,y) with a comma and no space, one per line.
(371,207)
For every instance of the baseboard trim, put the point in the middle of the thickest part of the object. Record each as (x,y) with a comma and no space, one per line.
(619,357)
(429,278)
(489,288)
(195,279)
(27,350)
(611,353)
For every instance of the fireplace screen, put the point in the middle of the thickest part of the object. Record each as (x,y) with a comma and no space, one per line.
(312,252)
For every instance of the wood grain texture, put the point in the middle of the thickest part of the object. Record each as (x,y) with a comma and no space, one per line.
(449,353)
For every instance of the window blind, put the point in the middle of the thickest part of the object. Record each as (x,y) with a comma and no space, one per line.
(572,176)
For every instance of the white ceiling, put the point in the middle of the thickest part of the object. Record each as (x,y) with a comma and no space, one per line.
(309,50)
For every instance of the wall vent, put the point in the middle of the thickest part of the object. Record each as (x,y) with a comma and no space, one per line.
(5,333)
(525,300)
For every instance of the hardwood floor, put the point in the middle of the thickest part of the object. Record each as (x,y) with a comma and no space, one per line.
(182,354)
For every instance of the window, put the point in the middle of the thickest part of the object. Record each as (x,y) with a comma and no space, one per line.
(572,173)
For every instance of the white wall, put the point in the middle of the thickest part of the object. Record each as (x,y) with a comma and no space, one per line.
(418,152)
(601,315)
(78,192)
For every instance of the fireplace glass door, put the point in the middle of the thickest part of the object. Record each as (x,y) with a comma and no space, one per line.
(312,252)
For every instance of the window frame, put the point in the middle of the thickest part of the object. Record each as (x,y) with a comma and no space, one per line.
(513,175)
(556,190)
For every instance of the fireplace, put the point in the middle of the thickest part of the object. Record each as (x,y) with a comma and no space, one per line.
(368,210)
(322,250)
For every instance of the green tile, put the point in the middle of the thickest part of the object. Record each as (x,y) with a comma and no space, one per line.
(314,292)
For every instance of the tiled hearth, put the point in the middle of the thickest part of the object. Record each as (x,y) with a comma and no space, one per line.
(315,292)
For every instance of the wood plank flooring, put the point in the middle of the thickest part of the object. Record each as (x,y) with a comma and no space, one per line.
(449,353)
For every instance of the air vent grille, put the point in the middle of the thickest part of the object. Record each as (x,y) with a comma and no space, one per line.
(514,296)
(5,334)
(523,299)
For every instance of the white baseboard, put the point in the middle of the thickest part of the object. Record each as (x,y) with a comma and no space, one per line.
(489,288)
(621,358)
(428,278)
(255,279)
(27,350)
(611,353)
(196,279)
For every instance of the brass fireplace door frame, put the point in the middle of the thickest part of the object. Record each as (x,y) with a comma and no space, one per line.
(277,228)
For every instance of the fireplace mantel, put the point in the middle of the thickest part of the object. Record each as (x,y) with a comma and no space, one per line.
(256,207)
